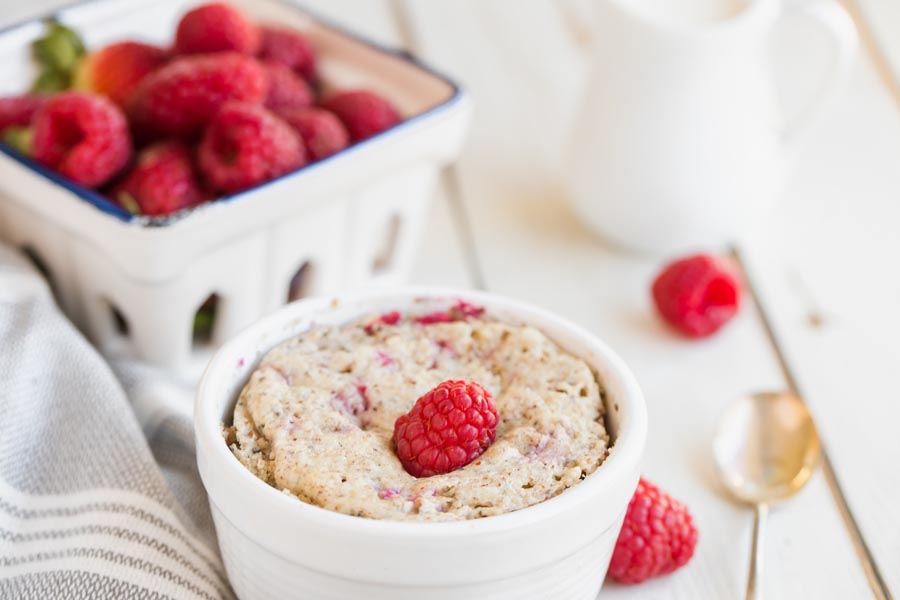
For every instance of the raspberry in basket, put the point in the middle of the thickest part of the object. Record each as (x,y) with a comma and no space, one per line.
(322,132)
(658,536)
(180,98)
(447,428)
(216,27)
(363,113)
(245,145)
(18,111)
(162,181)
(287,90)
(116,70)
(289,48)
(697,295)
(82,136)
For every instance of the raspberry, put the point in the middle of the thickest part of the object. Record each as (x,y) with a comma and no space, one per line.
(245,145)
(658,536)
(286,89)
(463,310)
(363,113)
(162,181)
(322,132)
(289,48)
(82,136)
(116,70)
(697,295)
(389,318)
(216,27)
(18,111)
(180,98)
(447,428)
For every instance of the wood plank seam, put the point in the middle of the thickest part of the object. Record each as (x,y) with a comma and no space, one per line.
(450,177)
(463,226)
(577,23)
(873,574)
(873,50)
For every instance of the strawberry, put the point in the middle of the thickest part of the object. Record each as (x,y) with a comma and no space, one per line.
(117,69)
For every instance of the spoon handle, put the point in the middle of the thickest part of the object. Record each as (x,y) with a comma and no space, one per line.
(754,578)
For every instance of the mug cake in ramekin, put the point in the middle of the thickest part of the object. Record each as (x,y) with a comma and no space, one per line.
(312,501)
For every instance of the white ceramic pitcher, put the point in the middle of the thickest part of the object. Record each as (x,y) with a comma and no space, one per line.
(681,141)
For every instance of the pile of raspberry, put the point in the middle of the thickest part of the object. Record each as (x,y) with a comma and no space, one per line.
(230,105)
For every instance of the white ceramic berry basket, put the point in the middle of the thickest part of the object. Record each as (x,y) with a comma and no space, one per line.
(275,546)
(135,284)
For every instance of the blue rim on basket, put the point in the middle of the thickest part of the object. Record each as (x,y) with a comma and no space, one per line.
(106,205)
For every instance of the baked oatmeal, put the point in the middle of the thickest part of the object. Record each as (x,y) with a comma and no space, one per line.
(317,416)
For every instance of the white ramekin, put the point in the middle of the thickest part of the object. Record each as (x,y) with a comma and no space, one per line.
(275,546)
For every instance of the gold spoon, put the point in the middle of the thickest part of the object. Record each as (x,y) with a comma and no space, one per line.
(766,448)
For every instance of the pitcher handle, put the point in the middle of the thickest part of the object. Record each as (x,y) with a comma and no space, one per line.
(838,24)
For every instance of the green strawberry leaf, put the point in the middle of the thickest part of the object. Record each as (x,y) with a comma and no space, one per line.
(128,202)
(58,52)
(50,81)
(59,49)
(19,139)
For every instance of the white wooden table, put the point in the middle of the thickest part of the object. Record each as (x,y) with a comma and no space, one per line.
(825,273)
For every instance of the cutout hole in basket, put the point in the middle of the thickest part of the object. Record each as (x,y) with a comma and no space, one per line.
(205,321)
(40,264)
(301,282)
(389,236)
(120,327)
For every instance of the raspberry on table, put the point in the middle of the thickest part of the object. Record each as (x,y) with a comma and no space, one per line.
(289,48)
(116,70)
(447,428)
(83,137)
(18,111)
(364,113)
(245,145)
(180,98)
(697,295)
(657,537)
(287,90)
(216,27)
(162,181)
(322,132)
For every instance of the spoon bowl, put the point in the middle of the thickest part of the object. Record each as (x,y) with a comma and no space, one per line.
(766,447)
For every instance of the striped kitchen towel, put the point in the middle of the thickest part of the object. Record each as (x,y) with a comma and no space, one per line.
(99,492)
